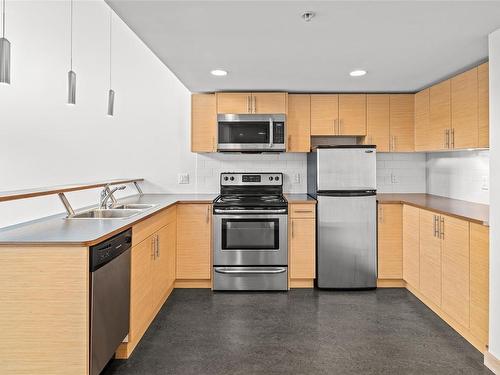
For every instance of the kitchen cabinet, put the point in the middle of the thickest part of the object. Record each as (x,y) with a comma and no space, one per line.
(402,126)
(430,257)
(203,123)
(422,120)
(455,268)
(411,246)
(439,116)
(343,114)
(324,114)
(390,241)
(302,245)
(194,228)
(483,105)
(299,123)
(152,273)
(479,281)
(378,118)
(464,110)
(252,102)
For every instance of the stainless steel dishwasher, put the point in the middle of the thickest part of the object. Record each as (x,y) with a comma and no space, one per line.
(109,298)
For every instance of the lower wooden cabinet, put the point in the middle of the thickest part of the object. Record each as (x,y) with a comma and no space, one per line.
(430,257)
(194,233)
(164,264)
(411,245)
(302,245)
(390,241)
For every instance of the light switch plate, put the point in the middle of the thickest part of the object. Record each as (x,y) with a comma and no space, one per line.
(296,178)
(183,178)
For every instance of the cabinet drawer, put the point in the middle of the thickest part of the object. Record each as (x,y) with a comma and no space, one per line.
(302,211)
(146,228)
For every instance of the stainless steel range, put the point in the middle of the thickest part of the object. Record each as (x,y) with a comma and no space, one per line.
(250,233)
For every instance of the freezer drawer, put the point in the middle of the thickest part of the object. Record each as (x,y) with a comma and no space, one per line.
(250,278)
(347,241)
(346,169)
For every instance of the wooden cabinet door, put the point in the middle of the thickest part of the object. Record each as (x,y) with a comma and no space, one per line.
(352,114)
(479,281)
(402,129)
(302,248)
(203,123)
(430,257)
(455,268)
(269,102)
(299,123)
(164,264)
(194,227)
(440,116)
(141,291)
(483,81)
(390,241)
(378,121)
(324,114)
(464,110)
(411,246)
(422,121)
(234,102)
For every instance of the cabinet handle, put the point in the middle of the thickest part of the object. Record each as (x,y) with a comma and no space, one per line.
(435,225)
(208,214)
(303,211)
(447,138)
(157,246)
(289,142)
(254,104)
(441,227)
(452,137)
(248,105)
(381,214)
(153,248)
(292,228)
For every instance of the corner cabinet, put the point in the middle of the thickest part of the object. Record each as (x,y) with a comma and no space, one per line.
(252,102)
(302,244)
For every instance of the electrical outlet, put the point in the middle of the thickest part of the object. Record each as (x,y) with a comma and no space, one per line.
(183,178)
(485,183)
(394,179)
(296,178)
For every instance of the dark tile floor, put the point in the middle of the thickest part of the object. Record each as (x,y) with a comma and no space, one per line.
(387,331)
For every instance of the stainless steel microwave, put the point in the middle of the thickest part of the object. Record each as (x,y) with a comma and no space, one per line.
(251,133)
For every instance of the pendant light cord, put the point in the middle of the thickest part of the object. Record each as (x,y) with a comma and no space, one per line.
(110,48)
(71,35)
(3,19)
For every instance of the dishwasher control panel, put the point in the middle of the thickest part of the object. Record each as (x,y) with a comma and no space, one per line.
(110,249)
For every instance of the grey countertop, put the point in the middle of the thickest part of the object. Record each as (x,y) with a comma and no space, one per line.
(299,198)
(57,230)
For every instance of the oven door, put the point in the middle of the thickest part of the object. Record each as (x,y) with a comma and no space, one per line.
(250,240)
(251,132)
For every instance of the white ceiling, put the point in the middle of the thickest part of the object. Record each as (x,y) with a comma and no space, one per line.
(265,45)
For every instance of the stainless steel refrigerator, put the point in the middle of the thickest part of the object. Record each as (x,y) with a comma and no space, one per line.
(343,180)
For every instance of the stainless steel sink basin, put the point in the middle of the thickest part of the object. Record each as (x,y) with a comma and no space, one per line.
(107,214)
(134,206)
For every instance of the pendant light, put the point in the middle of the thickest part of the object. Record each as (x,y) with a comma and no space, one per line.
(71,73)
(4,52)
(111,92)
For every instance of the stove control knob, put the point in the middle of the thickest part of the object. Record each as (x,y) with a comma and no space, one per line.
(226,178)
(276,178)
(232,178)
(270,178)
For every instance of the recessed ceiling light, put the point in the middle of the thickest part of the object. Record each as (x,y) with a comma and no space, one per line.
(308,15)
(357,73)
(219,72)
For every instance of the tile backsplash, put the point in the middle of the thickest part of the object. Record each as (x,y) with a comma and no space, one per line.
(460,175)
(401,173)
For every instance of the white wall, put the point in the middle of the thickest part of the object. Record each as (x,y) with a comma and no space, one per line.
(43,141)
(460,175)
(401,173)
(494,54)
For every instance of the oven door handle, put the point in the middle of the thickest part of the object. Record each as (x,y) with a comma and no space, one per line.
(235,212)
(248,271)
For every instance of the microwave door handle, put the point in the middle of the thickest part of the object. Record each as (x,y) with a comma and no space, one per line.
(271,135)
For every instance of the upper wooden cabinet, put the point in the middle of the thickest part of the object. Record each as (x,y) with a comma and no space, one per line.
(203,123)
(439,116)
(299,123)
(402,126)
(252,102)
(378,119)
(390,241)
(343,114)
(464,110)
(422,120)
(194,228)
(483,105)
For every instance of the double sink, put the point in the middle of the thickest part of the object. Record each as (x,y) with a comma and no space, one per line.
(122,211)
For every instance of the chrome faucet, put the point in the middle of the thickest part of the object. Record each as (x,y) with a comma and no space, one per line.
(107,194)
